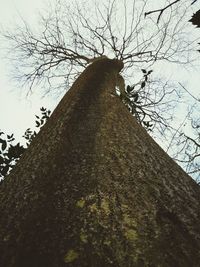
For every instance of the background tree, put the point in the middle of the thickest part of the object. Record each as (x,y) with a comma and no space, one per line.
(10,151)
(185,148)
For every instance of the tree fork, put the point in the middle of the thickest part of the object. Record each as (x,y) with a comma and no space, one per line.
(94,189)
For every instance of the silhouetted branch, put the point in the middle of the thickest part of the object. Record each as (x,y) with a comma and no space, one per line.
(161,10)
(68,39)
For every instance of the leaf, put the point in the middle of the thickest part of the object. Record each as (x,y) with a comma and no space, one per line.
(45,117)
(143,84)
(196,19)
(128,88)
(37,123)
(143,70)
(135,96)
(10,136)
(149,72)
(4,145)
(1,160)
(14,152)
(42,109)
(5,170)
(147,124)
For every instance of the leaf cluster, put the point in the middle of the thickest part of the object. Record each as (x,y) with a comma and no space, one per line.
(10,151)
(135,103)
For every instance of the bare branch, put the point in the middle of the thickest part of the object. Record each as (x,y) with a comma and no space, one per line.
(197,99)
(161,10)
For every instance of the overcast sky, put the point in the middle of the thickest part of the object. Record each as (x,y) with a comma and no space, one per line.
(17,111)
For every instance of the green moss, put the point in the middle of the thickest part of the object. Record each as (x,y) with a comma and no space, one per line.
(83,237)
(70,256)
(107,242)
(127,220)
(93,207)
(130,234)
(105,206)
(80,203)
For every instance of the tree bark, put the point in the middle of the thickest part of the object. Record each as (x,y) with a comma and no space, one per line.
(95,190)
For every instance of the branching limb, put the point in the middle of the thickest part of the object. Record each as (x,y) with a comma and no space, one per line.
(160,10)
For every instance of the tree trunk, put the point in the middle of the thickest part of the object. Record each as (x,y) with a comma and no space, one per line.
(95,190)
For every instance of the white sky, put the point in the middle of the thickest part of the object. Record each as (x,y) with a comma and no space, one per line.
(16,111)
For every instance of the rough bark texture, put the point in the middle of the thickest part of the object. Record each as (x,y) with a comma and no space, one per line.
(95,190)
